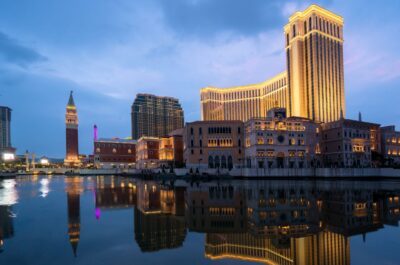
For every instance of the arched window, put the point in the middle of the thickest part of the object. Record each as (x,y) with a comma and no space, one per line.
(309,24)
(294,31)
(217,162)
(210,162)
(223,162)
(230,162)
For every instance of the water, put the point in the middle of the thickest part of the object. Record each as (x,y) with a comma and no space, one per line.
(112,220)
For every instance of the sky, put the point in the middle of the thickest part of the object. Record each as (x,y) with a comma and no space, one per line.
(108,51)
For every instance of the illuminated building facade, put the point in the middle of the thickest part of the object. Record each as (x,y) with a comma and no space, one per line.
(213,144)
(155,116)
(311,87)
(349,143)
(390,144)
(147,152)
(314,60)
(171,149)
(280,142)
(244,102)
(71,122)
(111,153)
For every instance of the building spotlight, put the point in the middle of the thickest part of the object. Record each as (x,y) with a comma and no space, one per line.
(8,157)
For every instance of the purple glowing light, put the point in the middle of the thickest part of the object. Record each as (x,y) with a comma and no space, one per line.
(98,213)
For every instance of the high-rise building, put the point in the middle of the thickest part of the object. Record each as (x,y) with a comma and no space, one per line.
(71,122)
(314,59)
(155,116)
(5,130)
(311,87)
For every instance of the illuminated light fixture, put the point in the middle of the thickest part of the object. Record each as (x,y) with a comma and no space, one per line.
(44,161)
(8,156)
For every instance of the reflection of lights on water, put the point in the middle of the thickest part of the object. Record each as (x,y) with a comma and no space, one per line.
(12,214)
(44,188)
(8,183)
(44,182)
(8,194)
(98,213)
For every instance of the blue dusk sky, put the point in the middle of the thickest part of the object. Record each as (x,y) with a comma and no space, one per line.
(107,51)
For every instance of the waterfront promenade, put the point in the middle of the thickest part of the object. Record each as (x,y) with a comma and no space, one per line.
(234,173)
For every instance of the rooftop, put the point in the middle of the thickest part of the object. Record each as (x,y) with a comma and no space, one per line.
(116,140)
(247,87)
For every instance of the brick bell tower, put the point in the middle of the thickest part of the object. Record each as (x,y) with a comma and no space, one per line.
(71,122)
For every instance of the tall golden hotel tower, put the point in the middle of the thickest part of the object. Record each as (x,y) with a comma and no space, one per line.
(311,87)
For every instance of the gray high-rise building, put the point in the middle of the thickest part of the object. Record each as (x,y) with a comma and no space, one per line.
(155,116)
(5,130)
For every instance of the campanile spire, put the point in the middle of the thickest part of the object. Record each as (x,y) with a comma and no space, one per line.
(71,122)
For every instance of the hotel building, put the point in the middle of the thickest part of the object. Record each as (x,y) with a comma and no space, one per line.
(280,142)
(155,116)
(311,87)
(213,144)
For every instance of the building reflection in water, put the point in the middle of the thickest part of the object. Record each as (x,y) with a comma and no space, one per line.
(288,222)
(269,221)
(6,224)
(159,216)
(8,197)
(114,193)
(74,188)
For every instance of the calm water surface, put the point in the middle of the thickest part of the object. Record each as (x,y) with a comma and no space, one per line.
(112,220)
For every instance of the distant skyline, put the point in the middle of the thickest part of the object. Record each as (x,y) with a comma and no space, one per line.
(108,51)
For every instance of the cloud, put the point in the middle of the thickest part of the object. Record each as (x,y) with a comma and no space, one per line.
(11,51)
(289,8)
(208,18)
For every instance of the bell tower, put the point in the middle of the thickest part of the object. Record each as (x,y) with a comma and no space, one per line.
(71,122)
